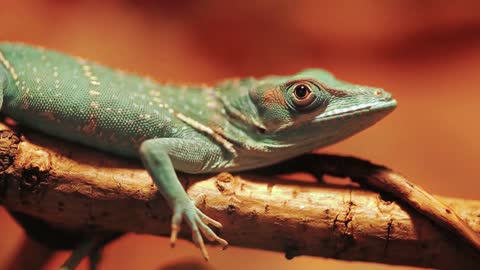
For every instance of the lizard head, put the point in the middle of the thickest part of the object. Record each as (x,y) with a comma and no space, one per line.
(308,110)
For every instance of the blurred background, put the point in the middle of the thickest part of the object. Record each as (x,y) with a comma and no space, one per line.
(427,53)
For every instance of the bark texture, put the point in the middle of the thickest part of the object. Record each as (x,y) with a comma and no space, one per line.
(81,190)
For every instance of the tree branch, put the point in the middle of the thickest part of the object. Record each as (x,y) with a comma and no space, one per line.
(79,189)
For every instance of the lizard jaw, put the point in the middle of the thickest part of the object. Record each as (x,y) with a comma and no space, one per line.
(374,107)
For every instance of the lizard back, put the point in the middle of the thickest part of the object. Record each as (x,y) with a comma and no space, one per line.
(88,103)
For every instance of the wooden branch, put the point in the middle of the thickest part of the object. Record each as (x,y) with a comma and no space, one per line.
(79,189)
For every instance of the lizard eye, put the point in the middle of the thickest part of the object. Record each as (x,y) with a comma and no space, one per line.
(302,95)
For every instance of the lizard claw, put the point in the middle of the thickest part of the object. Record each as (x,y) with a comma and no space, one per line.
(198,223)
(173,235)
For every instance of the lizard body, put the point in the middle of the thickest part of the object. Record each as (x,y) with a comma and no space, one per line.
(87,103)
(235,125)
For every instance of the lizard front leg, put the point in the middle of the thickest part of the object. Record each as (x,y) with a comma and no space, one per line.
(159,157)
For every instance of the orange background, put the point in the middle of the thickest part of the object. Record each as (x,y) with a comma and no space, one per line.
(427,53)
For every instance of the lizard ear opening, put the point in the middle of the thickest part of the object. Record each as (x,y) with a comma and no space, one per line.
(273,111)
(261,130)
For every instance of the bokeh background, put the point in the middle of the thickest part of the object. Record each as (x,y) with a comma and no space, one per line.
(427,53)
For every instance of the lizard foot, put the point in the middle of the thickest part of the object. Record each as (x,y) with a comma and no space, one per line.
(198,223)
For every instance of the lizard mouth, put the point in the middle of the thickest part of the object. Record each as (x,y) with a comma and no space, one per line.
(375,107)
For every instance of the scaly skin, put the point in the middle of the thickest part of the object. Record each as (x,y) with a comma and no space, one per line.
(235,125)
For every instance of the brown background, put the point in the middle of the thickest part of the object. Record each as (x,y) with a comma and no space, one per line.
(427,53)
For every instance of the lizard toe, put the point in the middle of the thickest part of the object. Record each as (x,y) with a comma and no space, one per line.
(198,223)
(208,220)
(176,225)
(193,221)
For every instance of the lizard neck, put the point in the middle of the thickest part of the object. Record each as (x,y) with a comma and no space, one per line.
(243,125)
(238,105)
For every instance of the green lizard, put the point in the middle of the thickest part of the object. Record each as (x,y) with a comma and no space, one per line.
(233,126)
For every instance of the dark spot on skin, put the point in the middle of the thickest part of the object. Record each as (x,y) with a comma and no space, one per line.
(294,194)
(231,209)
(448,211)
(91,127)
(156,162)
(267,208)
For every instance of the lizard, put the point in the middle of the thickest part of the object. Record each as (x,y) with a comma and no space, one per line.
(234,125)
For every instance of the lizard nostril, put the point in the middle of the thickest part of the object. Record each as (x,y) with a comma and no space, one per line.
(378,92)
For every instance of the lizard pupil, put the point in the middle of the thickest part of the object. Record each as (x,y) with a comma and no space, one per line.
(301,91)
